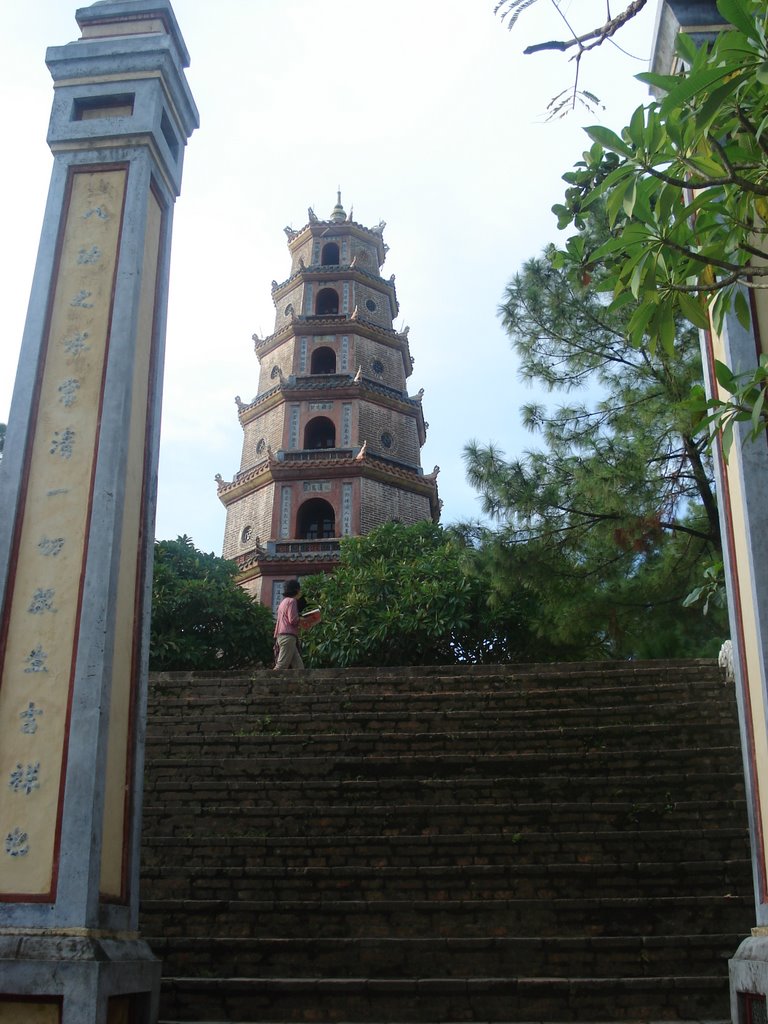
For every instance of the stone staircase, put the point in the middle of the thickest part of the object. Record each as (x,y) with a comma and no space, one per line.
(521,843)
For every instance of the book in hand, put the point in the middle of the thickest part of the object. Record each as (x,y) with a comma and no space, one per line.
(310,617)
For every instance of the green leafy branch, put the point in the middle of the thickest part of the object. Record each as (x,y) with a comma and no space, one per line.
(745,404)
(685,188)
(711,593)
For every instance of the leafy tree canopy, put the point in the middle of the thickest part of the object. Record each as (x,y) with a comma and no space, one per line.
(201,619)
(611,522)
(576,613)
(685,185)
(410,595)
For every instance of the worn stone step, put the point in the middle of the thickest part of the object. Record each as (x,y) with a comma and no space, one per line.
(446,918)
(436,678)
(463,844)
(298,712)
(382,957)
(588,762)
(195,815)
(473,882)
(463,689)
(169,783)
(408,851)
(708,1021)
(640,738)
(439,1000)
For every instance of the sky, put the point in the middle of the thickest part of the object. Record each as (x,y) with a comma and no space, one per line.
(425,113)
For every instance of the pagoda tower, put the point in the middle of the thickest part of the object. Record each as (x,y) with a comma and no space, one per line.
(332,440)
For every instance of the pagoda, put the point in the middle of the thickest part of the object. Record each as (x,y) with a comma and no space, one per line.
(332,440)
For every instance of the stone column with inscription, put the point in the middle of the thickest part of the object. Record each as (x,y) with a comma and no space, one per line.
(742,484)
(77,501)
(742,489)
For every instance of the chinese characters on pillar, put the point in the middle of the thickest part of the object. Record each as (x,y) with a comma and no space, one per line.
(40,628)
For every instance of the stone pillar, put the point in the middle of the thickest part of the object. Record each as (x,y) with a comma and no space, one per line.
(742,490)
(742,485)
(77,504)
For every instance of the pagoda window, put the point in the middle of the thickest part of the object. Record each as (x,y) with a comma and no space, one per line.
(330,255)
(323,360)
(320,433)
(327,302)
(315,520)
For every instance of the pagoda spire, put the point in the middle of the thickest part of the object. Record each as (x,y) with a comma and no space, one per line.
(338,214)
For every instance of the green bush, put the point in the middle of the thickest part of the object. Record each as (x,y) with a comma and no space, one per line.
(201,618)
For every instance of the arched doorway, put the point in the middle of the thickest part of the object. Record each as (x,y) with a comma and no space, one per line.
(320,433)
(330,255)
(327,302)
(323,360)
(316,520)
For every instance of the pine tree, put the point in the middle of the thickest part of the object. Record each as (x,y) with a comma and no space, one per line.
(611,520)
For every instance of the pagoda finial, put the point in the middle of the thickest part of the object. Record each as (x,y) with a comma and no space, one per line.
(337,214)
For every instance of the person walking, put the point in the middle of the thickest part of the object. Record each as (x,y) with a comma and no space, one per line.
(287,628)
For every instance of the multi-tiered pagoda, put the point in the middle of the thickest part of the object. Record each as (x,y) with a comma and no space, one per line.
(332,440)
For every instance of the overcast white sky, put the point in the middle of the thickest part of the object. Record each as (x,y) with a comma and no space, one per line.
(427,115)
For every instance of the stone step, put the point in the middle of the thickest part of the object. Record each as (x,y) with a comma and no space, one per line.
(616,738)
(171,785)
(216,982)
(454,844)
(604,761)
(167,1020)
(434,851)
(435,679)
(446,918)
(388,957)
(440,1000)
(195,815)
(291,711)
(622,879)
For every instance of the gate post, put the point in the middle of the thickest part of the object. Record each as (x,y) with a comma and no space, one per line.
(77,506)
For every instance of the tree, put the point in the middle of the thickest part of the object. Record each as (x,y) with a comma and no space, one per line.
(201,618)
(510,11)
(686,188)
(633,446)
(612,521)
(685,185)
(578,613)
(580,41)
(410,595)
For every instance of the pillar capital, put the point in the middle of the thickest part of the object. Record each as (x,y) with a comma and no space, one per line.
(110,18)
(123,83)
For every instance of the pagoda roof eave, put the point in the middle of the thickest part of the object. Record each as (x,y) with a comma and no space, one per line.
(341,387)
(273,470)
(317,227)
(312,563)
(336,325)
(283,288)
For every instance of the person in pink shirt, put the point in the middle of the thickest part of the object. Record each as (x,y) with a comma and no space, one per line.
(287,628)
